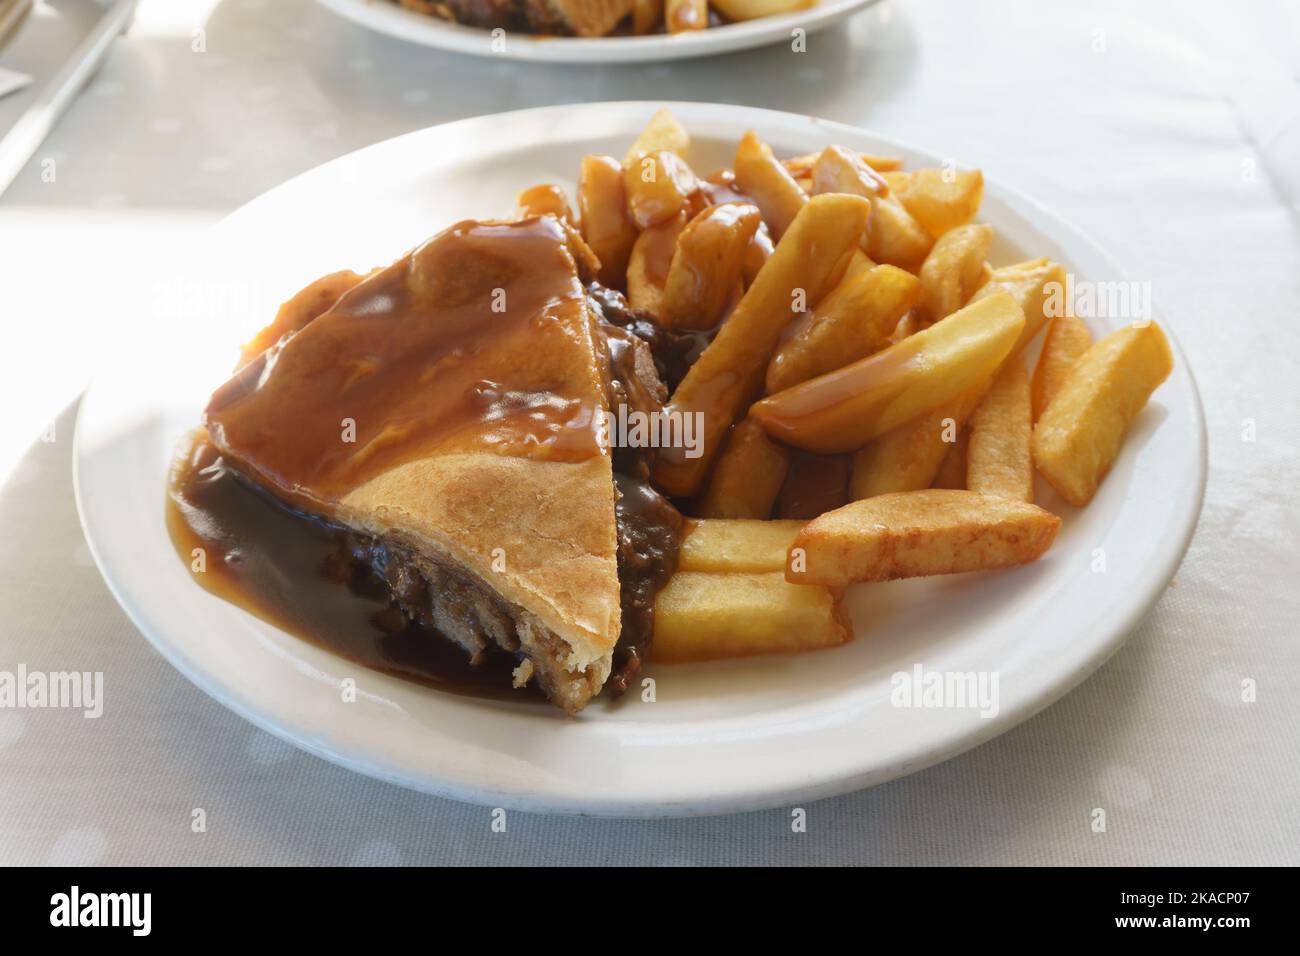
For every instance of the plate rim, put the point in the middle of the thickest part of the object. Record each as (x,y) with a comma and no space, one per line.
(719,801)
(389,19)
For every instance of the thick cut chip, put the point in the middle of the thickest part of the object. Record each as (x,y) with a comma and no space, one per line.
(939,199)
(1034,285)
(843,410)
(708,264)
(999,461)
(1066,340)
(663,132)
(658,186)
(917,534)
(952,470)
(647,268)
(853,321)
(1080,433)
(909,457)
(602,205)
(747,477)
(760,176)
(736,545)
(953,270)
(703,617)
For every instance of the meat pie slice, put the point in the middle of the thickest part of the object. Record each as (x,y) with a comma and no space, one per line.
(445,410)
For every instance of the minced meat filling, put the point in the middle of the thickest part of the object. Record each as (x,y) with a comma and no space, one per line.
(649,536)
(649,527)
(674,350)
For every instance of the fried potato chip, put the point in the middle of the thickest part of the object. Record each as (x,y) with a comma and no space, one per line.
(952,470)
(703,617)
(760,176)
(1030,284)
(663,132)
(738,10)
(939,199)
(909,457)
(602,205)
(646,16)
(736,545)
(1066,340)
(748,476)
(682,16)
(854,320)
(658,186)
(707,265)
(917,534)
(953,270)
(843,410)
(544,199)
(999,460)
(1080,432)
(648,265)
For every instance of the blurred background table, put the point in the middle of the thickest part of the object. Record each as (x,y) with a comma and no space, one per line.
(1169,131)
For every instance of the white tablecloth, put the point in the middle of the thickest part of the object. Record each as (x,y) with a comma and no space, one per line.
(1170,132)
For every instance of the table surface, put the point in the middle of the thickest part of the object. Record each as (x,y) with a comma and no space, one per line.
(1170,132)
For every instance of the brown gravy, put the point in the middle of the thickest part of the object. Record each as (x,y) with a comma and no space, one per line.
(475,339)
(289,569)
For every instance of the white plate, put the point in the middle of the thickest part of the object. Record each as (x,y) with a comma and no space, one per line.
(725,736)
(385,16)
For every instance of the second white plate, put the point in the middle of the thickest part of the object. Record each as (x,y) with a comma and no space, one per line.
(725,736)
(385,16)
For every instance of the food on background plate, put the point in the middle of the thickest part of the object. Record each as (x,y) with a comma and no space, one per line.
(584,18)
(599,18)
(670,421)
